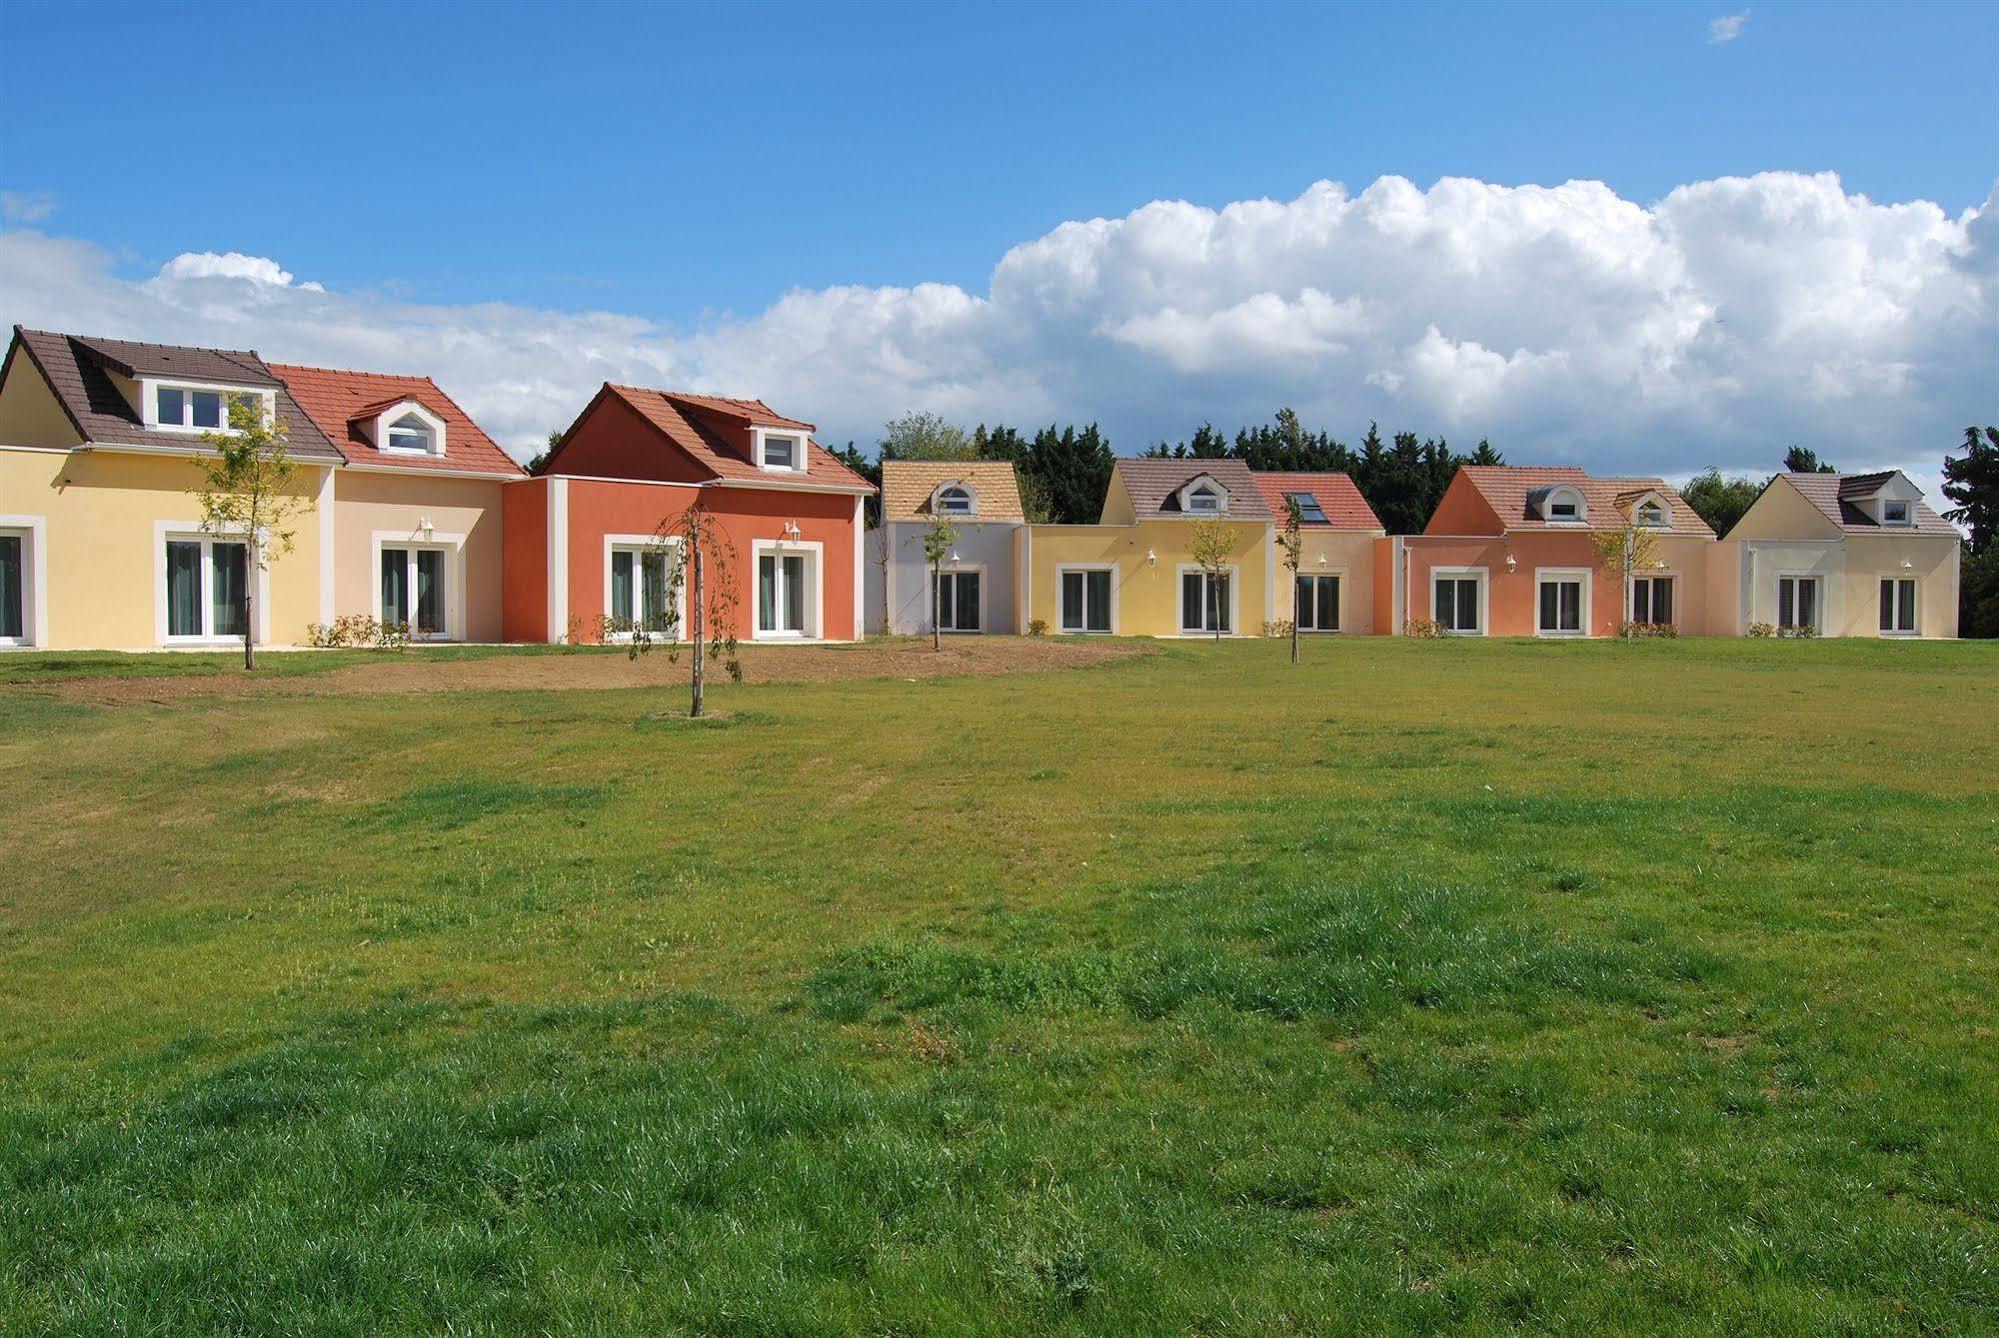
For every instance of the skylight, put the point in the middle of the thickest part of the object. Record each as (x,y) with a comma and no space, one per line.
(1309,509)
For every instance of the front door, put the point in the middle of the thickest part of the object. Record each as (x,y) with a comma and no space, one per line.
(781,594)
(958,601)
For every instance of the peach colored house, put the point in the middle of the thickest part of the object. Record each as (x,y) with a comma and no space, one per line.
(1508,552)
(582,558)
(1334,588)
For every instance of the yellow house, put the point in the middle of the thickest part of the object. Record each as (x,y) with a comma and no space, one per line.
(1841,554)
(101,544)
(1133,573)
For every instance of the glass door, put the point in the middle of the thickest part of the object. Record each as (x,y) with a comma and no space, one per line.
(957,603)
(781,594)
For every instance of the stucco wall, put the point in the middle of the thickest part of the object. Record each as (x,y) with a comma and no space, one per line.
(1512,596)
(989,548)
(1146,595)
(1765,562)
(464,517)
(1932,563)
(1352,557)
(102,556)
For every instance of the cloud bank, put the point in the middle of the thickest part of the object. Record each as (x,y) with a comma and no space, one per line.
(1717,325)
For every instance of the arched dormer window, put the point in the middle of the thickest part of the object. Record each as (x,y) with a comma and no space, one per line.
(955,499)
(412,434)
(1564,506)
(1204,497)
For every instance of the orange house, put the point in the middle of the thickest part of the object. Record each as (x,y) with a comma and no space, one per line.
(1509,552)
(583,558)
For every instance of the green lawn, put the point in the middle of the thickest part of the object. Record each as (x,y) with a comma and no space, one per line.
(1457,984)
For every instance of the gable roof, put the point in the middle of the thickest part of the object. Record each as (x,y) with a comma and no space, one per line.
(79,371)
(338,401)
(1835,494)
(1154,481)
(908,486)
(687,421)
(1335,493)
(1510,489)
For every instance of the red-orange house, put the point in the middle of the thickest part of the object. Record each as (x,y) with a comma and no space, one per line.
(582,560)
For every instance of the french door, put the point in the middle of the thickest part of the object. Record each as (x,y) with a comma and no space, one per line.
(413,592)
(1456,601)
(1898,607)
(1561,606)
(1318,604)
(1086,600)
(641,598)
(781,594)
(1798,601)
(206,582)
(1204,603)
(957,601)
(1652,600)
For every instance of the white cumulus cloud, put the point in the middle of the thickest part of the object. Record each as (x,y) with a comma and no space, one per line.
(1717,325)
(1726,28)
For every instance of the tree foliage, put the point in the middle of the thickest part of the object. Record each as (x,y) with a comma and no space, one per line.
(700,562)
(1291,545)
(938,538)
(1721,501)
(1623,551)
(1804,460)
(1211,543)
(249,490)
(1971,481)
(922,435)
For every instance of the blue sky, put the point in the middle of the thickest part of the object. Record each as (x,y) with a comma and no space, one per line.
(682,168)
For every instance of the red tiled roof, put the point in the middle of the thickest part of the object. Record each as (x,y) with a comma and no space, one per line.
(1335,493)
(1510,489)
(679,419)
(335,400)
(1154,482)
(1830,493)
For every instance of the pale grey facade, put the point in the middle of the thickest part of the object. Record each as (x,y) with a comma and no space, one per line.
(982,580)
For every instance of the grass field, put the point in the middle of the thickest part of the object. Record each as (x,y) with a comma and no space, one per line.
(1424,985)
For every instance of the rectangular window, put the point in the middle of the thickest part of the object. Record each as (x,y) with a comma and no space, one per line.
(429,592)
(1652,599)
(1086,600)
(1798,601)
(13,589)
(1309,510)
(192,408)
(171,402)
(1561,606)
(206,582)
(1457,603)
(396,586)
(1318,605)
(414,590)
(1204,603)
(781,594)
(205,409)
(1894,513)
(780,453)
(957,604)
(1898,607)
(623,572)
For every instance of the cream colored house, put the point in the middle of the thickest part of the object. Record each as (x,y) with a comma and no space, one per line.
(1842,554)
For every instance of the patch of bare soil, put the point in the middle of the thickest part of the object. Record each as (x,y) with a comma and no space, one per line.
(600,669)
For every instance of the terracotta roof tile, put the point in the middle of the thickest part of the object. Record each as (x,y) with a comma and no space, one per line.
(79,370)
(680,418)
(1511,489)
(335,399)
(1335,493)
(1152,482)
(908,486)
(1833,495)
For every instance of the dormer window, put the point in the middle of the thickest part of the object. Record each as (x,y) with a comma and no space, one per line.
(195,408)
(780,452)
(1652,514)
(954,499)
(1204,498)
(1895,513)
(1563,506)
(410,433)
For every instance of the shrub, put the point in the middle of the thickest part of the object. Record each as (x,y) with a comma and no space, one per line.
(358,629)
(1762,629)
(1423,628)
(1282,627)
(1037,627)
(1798,633)
(1647,629)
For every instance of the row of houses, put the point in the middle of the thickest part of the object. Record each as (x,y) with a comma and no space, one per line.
(414,516)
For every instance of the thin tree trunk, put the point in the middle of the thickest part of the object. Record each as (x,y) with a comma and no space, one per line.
(694,709)
(249,626)
(1294,616)
(936,607)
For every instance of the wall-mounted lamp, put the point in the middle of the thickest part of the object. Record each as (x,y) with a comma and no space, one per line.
(1512,563)
(1322,559)
(425,527)
(791,529)
(1151,558)
(1908,565)
(1660,564)
(954,557)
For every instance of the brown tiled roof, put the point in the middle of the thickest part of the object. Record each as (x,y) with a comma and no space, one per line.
(1335,493)
(1833,495)
(908,486)
(1152,482)
(679,419)
(1510,489)
(79,371)
(339,401)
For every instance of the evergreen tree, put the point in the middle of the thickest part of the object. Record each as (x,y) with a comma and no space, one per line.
(1721,501)
(1072,470)
(1972,482)
(1804,460)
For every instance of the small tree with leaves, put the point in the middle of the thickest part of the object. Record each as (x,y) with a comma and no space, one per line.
(1625,550)
(1211,546)
(938,538)
(250,488)
(1291,544)
(700,563)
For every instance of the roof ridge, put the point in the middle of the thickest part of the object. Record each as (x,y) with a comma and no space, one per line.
(352,371)
(145,343)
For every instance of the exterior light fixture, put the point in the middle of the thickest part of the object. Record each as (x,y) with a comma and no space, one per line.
(791,529)
(1908,565)
(1512,563)
(954,557)
(1322,559)
(1151,558)
(425,527)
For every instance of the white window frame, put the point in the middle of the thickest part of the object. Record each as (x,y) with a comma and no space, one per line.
(1234,575)
(149,404)
(1665,521)
(1318,573)
(1484,579)
(760,448)
(1197,484)
(971,499)
(1669,575)
(1915,606)
(1818,599)
(385,425)
(1557,576)
(33,534)
(640,543)
(814,553)
(1063,569)
(190,532)
(977,569)
(453,546)
(1563,492)
(1908,511)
